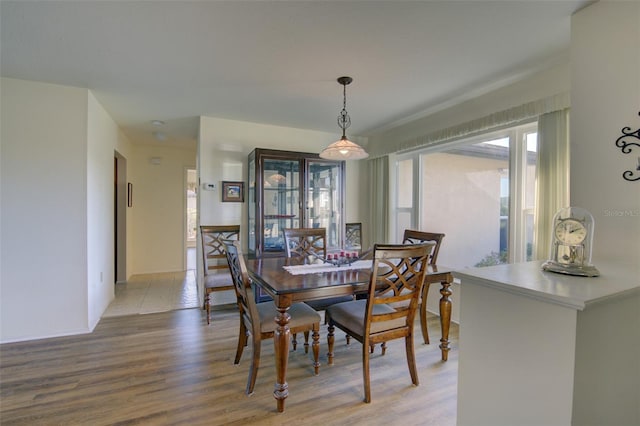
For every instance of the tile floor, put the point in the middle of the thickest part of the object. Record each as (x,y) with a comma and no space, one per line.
(160,292)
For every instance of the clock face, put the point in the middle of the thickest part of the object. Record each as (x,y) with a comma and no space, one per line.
(571,232)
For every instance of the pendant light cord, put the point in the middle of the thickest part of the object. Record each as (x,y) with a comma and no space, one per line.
(344,120)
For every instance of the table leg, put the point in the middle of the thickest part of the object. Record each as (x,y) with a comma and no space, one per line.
(281,340)
(445,316)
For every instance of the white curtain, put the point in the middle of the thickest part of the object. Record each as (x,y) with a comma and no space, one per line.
(379,199)
(552,176)
(498,120)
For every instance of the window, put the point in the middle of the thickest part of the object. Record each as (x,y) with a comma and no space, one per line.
(405,214)
(192,211)
(479,192)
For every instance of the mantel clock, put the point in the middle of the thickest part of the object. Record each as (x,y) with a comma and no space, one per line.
(571,243)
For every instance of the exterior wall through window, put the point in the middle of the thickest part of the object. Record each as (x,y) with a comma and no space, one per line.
(479,192)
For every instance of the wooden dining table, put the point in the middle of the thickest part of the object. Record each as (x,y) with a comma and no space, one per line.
(285,289)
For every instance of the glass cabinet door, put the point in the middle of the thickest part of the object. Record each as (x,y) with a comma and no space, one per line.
(252,201)
(290,189)
(324,200)
(281,201)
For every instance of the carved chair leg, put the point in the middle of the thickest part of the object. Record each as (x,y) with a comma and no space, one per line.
(384,347)
(306,342)
(294,342)
(242,342)
(411,359)
(330,341)
(207,306)
(316,347)
(255,364)
(365,373)
(423,313)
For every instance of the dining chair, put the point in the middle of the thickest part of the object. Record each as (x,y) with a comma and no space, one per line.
(216,270)
(305,241)
(353,236)
(397,276)
(258,319)
(418,237)
(310,242)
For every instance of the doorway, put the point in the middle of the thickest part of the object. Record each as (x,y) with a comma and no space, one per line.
(160,291)
(191,217)
(120,217)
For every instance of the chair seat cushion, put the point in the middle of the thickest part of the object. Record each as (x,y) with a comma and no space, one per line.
(350,315)
(218,279)
(300,313)
(322,304)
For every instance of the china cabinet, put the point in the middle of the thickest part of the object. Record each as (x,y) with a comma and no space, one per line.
(293,190)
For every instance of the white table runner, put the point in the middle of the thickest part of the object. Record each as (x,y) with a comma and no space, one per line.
(326,267)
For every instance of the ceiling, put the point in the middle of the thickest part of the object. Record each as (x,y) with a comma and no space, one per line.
(276,62)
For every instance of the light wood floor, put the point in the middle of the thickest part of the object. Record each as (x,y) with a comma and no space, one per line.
(171,368)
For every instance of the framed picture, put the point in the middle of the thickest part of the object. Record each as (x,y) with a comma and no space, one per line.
(129,194)
(233,192)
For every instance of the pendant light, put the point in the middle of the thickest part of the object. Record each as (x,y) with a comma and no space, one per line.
(344,149)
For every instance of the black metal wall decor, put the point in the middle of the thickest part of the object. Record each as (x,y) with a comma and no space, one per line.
(626,143)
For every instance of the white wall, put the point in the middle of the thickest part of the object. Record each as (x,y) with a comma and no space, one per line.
(44,211)
(358,195)
(57,210)
(102,138)
(605,97)
(157,225)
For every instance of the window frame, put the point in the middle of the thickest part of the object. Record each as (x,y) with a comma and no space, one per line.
(517,244)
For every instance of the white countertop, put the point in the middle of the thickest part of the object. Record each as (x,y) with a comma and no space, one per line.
(528,279)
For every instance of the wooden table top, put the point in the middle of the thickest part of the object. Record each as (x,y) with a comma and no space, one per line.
(273,278)
(269,274)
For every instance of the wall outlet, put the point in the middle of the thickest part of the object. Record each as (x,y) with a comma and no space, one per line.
(101,277)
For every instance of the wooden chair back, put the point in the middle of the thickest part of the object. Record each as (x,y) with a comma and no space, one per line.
(305,241)
(213,252)
(417,237)
(242,284)
(398,276)
(353,236)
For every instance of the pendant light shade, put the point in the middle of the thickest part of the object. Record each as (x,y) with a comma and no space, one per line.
(344,149)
